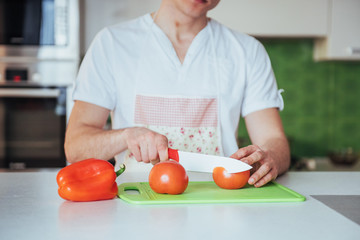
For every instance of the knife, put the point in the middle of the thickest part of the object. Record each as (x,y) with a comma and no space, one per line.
(206,163)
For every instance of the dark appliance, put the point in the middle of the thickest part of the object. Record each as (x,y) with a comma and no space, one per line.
(39,59)
(32,126)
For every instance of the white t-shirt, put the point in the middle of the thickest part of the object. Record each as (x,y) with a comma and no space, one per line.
(136,58)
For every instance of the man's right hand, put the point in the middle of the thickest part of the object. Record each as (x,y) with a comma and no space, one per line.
(146,145)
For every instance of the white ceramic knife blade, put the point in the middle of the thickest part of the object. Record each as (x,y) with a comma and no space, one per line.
(206,163)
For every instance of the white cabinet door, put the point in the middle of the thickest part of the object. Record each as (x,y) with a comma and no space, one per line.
(274,18)
(98,14)
(343,41)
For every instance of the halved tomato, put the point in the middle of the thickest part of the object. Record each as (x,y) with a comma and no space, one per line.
(230,180)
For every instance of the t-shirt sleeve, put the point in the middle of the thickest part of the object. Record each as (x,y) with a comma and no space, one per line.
(95,83)
(261,90)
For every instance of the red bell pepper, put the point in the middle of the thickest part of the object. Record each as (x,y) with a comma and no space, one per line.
(88,180)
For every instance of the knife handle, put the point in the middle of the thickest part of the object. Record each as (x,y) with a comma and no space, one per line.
(173,154)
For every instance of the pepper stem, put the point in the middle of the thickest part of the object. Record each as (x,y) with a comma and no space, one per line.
(121,170)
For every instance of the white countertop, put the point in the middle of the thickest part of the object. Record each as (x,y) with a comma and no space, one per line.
(30,208)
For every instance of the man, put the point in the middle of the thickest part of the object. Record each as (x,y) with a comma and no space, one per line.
(177,79)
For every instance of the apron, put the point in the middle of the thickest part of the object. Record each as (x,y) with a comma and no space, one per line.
(191,123)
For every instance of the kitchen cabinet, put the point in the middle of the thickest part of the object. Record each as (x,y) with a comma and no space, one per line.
(343,38)
(99,14)
(334,24)
(274,18)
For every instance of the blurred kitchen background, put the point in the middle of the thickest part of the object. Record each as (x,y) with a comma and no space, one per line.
(314,47)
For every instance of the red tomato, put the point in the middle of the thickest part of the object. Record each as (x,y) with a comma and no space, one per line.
(168,177)
(230,180)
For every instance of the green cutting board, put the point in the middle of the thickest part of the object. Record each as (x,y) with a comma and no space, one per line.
(208,192)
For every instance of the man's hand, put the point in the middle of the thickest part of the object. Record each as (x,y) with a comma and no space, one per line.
(146,145)
(270,154)
(265,168)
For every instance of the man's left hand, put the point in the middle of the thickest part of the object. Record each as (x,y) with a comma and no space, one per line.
(264,165)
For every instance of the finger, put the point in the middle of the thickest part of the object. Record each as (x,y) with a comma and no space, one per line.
(245,151)
(136,153)
(163,154)
(144,152)
(134,149)
(260,173)
(152,151)
(254,157)
(267,178)
(133,144)
(162,148)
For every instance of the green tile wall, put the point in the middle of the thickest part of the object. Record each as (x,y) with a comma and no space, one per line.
(322,99)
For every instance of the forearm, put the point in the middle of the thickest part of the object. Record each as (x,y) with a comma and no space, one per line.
(270,153)
(266,131)
(278,149)
(85,142)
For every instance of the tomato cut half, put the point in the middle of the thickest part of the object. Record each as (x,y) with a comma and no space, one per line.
(230,180)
